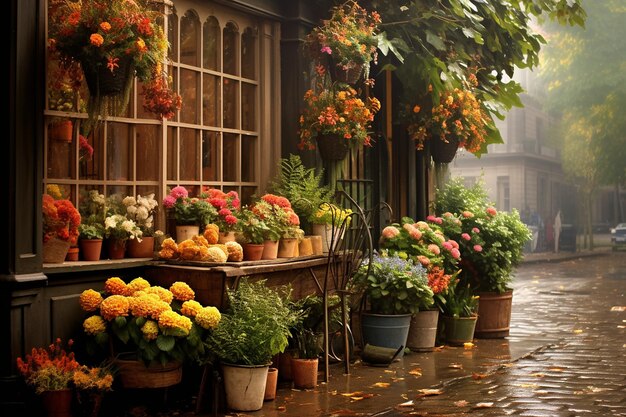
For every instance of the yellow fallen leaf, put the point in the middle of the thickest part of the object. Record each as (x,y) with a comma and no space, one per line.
(468,345)
(281,408)
(529,385)
(381,385)
(483,405)
(578,331)
(618,308)
(406,404)
(556,369)
(352,394)
(416,372)
(461,403)
(430,391)
(538,375)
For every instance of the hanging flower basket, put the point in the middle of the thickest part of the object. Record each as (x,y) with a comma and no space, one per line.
(102,82)
(348,75)
(332,147)
(443,152)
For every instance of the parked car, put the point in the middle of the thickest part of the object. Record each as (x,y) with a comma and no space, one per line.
(618,236)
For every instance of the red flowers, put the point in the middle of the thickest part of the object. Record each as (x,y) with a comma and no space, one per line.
(60,219)
(159,99)
(48,368)
(227,206)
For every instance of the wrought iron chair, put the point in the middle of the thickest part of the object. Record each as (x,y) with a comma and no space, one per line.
(350,247)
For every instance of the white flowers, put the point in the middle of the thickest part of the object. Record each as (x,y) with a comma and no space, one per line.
(119,227)
(141,210)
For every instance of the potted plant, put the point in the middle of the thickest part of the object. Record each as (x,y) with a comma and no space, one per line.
(491,243)
(141,210)
(336,119)
(91,383)
(459,313)
(118,230)
(346,43)
(255,327)
(326,218)
(60,228)
(112,41)
(228,206)
(277,214)
(424,243)
(90,240)
(455,119)
(252,236)
(190,213)
(148,330)
(394,288)
(49,371)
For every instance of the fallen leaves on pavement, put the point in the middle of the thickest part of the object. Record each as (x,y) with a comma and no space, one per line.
(426,392)
(416,371)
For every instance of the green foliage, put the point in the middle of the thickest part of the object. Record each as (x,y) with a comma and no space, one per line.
(301,185)
(394,285)
(459,301)
(256,326)
(90,231)
(490,242)
(253,230)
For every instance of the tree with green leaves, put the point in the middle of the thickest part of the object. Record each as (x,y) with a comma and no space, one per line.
(435,44)
(586,86)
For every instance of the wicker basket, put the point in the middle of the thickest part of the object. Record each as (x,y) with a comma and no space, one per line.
(55,251)
(443,152)
(135,374)
(332,147)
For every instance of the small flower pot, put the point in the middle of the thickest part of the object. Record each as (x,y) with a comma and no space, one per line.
(72,254)
(252,251)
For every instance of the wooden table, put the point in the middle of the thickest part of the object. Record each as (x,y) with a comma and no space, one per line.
(210,280)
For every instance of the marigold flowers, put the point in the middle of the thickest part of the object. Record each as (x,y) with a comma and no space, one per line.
(158,324)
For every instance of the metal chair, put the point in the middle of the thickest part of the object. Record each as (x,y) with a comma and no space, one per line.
(350,245)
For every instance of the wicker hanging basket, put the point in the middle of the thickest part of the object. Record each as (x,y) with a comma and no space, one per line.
(102,82)
(332,147)
(443,152)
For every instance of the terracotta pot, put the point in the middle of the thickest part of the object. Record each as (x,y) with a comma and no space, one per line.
(72,254)
(270,249)
(57,403)
(61,130)
(116,248)
(270,386)
(304,372)
(287,247)
(252,251)
(90,249)
(226,237)
(143,249)
(317,245)
(305,248)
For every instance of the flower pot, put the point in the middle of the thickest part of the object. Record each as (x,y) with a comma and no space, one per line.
(443,152)
(284,365)
(57,403)
(72,254)
(317,245)
(326,233)
(459,330)
(90,249)
(494,315)
(350,75)
(226,237)
(287,247)
(332,147)
(184,232)
(385,330)
(244,386)
(102,82)
(304,372)
(61,130)
(135,374)
(143,249)
(423,331)
(116,248)
(271,384)
(305,247)
(270,249)
(55,251)
(252,251)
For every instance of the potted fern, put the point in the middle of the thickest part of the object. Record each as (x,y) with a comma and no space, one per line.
(255,327)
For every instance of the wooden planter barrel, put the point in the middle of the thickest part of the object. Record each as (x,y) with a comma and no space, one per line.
(494,315)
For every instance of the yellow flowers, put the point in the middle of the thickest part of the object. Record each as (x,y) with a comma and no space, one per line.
(137,315)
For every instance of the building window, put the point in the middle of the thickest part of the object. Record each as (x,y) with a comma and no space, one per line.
(504,194)
(215,140)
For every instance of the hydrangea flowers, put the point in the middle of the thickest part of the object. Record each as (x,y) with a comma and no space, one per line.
(156,323)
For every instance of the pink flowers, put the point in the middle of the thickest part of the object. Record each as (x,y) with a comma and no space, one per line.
(475,230)
(478,248)
(466,236)
(491,211)
(434,249)
(326,50)
(467,214)
(390,232)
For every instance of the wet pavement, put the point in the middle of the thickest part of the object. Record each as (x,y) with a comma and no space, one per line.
(565,356)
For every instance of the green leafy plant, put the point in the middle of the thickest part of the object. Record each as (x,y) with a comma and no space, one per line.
(491,242)
(459,300)
(90,231)
(253,229)
(302,186)
(394,285)
(256,326)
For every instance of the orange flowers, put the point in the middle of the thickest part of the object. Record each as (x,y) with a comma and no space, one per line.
(341,112)
(60,219)
(50,368)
